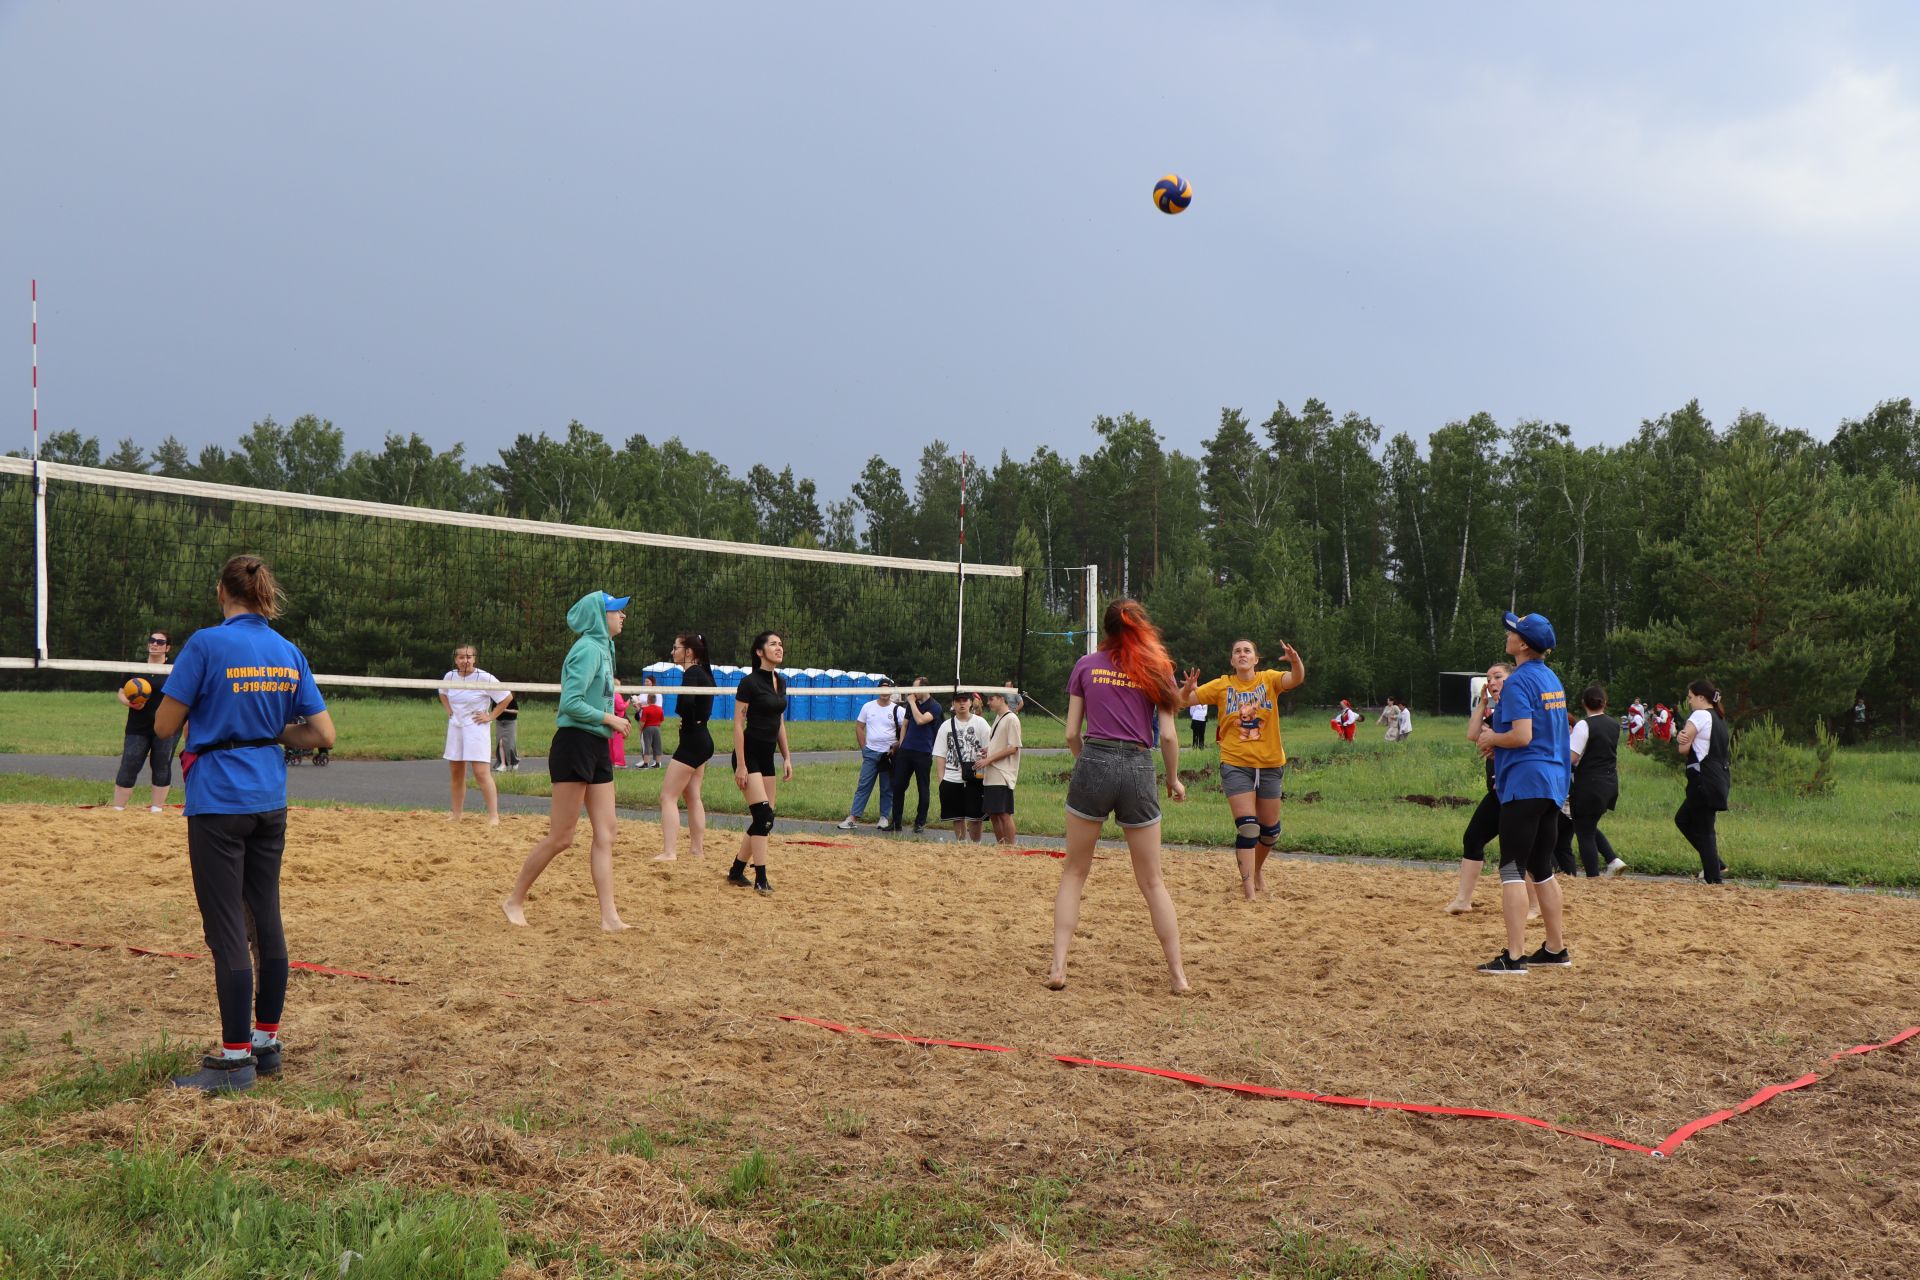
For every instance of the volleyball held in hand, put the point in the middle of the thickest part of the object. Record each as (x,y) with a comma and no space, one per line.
(137,691)
(1172,194)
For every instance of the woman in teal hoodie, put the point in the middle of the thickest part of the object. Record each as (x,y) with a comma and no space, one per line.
(580,761)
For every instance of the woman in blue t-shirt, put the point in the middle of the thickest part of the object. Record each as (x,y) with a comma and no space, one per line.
(1527,741)
(245,688)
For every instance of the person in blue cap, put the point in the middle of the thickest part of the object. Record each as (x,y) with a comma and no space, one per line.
(580,761)
(1532,771)
(250,695)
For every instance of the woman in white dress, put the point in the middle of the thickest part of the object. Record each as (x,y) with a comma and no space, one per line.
(469,712)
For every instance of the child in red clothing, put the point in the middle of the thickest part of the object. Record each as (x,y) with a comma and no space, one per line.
(616,743)
(652,711)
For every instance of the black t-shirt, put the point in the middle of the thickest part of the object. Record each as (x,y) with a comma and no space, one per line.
(1486,726)
(762,696)
(140,720)
(509,712)
(694,708)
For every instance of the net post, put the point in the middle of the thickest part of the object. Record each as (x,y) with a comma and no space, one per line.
(39,500)
(960,617)
(1093,607)
(1020,653)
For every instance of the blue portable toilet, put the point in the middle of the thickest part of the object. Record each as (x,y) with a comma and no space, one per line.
(667,675)
(798,708)
(830,708)
(725,676)
(817,708)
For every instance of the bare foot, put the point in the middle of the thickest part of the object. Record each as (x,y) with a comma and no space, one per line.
(516,911)
(666,857)
(1182,987)
(1056,982)
(1247,890)
(615,925)
(494,821)
(1533,913)
(1458,908)
(1259,886)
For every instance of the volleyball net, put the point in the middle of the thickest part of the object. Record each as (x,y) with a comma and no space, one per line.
(378,595)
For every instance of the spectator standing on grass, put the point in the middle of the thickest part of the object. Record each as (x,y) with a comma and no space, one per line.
(1000,766)
(760,729)
(876,730)
(1706,747)
(1116,696)
(1197,713)
(917,718)
(1527,740)
(1345,721)
(140,744)
(469,712)
(653,713)
(959,744)
(1859,719)
(617,744)
(1390,717)
(506,736)
(1406,721)
(1594,746)
(1253,760)
(687,771)
(580,761)
(236,782)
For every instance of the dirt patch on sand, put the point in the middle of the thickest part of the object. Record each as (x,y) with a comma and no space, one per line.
(1352,981)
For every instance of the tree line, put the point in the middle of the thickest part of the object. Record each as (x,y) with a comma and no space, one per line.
(1781,565)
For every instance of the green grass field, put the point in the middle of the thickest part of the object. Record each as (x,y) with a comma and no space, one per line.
(1347,800)
(66,723)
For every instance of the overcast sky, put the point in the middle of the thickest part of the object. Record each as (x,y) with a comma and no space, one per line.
(806,233)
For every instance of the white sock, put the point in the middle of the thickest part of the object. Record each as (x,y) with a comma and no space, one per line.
(261,1039)
(235,1053)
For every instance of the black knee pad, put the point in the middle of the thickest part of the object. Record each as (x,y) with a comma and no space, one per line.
(762,819)
(1246,832)
(1269,834)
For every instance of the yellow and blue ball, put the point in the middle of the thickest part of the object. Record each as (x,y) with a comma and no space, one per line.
(1172,194)
(137,691)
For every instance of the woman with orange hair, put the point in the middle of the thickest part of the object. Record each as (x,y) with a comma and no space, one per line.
(1116,697)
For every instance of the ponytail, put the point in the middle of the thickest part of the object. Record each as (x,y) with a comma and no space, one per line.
(1129,637)
(249,583)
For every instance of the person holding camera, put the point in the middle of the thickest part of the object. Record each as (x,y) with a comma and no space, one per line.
(960,744)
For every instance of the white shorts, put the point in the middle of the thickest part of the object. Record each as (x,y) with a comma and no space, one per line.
(468,741)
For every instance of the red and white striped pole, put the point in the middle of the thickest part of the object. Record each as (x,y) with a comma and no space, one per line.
(39,497)
(960,618)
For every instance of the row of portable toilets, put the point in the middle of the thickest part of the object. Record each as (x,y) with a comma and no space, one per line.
(859,686)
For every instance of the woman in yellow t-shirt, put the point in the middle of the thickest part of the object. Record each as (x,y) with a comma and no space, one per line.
(1253,762)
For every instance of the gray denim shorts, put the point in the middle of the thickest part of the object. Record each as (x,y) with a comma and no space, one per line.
(1117,781)
(1237,780)
(144,748)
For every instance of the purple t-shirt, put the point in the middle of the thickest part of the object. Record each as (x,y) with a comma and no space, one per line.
(1116,706)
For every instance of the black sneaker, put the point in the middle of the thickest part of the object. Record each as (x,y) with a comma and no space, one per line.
(266,1058)
(919,828)
(1503,965)
(1562,959)
(739,881)
(762,888)
(220,1075)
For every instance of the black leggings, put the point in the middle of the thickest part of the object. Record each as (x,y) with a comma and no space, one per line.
(1528,831)
(235,859)
(917,765)
(1199,735)
(1481,828)
(1596,851)
(1695,819)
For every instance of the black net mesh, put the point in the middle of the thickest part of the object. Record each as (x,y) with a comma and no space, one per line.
(389,596)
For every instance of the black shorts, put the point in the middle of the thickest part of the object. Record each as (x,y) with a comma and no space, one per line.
(760,757)
(579,756)
(961,800)
(696,744)
(996,800)
(1529,830)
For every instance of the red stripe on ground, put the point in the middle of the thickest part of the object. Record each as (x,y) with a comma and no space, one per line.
(1908,1034)
(892,1035)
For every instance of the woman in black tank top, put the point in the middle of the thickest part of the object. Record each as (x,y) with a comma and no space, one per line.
(1596,782)
(688,767)
(1709,777)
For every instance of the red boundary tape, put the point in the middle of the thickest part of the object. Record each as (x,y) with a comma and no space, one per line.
(1666,1147)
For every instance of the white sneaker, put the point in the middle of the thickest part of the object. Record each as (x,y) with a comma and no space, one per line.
(154,808)
(1615,867)
(849,824)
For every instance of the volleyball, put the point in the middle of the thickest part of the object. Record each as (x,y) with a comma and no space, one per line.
(1172,194)
(137,691)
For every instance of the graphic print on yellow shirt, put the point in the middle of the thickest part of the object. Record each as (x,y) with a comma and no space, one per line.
(1249,732)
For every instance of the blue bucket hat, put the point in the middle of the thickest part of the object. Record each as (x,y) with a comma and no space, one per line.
(1534,629)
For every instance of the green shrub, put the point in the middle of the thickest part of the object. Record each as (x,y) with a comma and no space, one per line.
(1763,758)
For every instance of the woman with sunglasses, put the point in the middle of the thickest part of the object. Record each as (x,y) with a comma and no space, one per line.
(142,744)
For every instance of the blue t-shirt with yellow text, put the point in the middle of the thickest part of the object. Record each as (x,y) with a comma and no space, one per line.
(240,680)
(1543,769)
